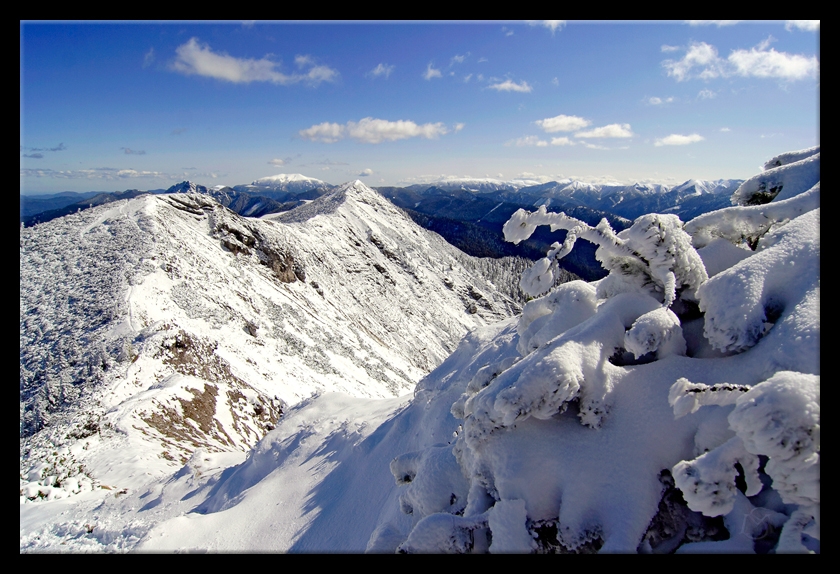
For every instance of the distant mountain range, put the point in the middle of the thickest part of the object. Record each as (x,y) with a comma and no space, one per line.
(467,212)
(686,200)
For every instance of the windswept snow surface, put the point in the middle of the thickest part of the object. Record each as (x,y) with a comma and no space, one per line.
(602,420)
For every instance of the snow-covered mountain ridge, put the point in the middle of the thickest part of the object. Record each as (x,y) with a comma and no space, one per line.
(168,323)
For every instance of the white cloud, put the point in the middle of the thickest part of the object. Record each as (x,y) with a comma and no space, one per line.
(480,60)
(319,74)
(562,141)
(806,25)
(667,48)
(458,59)
(304,60)
(149,58)
(677,139)
(717,23)
(533,176)
(563,123)
(699,54)
(277,162)
(555,82)
(431,72)
(372,130)
(458,127)
(610,131)
(553,25)
(106,173)
(381,70)
(194,58)
(528,141)
(759,62)
(511,86)
(594,146)
(764,44)
(706,94)
(324,132)
(655,101)
(725,130)
(467,78)
(365,172)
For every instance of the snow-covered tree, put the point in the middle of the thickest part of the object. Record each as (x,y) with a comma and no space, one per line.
(671,406)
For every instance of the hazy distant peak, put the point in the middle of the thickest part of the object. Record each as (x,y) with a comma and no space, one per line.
(281,178)
(187,187)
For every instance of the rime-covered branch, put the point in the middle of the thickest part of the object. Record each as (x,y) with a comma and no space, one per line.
(655,250)
(787,180)
(749,223)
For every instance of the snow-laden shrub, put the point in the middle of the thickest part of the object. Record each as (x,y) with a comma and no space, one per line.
(434,481)
(778,419)
(654,254)
(656,331)
(788,179)
(743,302)
(748,224)
(539,323)
(573,438)
(790,157)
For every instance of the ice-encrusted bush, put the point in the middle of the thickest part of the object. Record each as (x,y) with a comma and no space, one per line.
(784,176)
(578,430)
(654,254)
(778,419)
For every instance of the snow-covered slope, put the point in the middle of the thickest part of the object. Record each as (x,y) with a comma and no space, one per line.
(663,408)
(672,406)
(156,326)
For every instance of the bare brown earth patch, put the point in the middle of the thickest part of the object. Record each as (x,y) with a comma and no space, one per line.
(189,423)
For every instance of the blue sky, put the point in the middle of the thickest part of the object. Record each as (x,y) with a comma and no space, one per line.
(116,106)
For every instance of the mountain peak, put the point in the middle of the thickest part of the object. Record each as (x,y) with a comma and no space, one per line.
(281,178)
(187,186)
(352,194)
